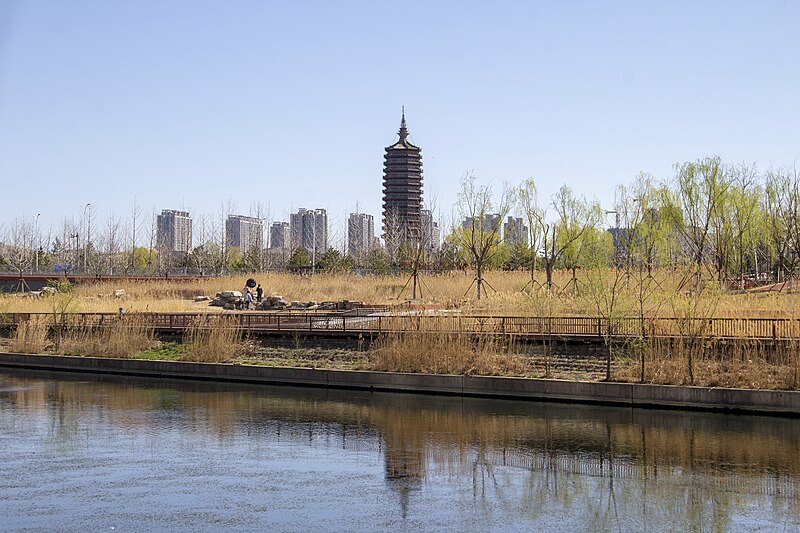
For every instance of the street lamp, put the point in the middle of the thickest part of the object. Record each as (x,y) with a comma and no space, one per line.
(313,241)
(38,240)
(88,229)
(76,236)
(615,238)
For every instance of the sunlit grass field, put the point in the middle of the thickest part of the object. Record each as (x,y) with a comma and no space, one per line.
(509,293)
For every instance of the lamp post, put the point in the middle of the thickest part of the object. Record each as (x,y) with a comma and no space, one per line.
(86,246)
(313,241)
(615,238)
(38,239)
(76,236)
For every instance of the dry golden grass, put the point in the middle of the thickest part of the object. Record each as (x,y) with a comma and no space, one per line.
(215,340)
(31,335)
(445,351)
(738,364)
(121,339)
(510,293)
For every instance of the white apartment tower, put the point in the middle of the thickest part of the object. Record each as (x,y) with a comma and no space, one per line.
(174,231)
(279,236)
(431,234)
(246,233)
(309,230)
(515,231)
(360,234)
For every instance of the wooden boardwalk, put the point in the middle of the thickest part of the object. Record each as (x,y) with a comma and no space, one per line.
(373,322)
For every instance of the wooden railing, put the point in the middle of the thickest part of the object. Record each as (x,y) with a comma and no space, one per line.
(376,321)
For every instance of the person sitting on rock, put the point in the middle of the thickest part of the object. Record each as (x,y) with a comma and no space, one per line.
(248,297)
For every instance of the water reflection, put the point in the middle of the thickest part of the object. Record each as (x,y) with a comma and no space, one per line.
(245,457)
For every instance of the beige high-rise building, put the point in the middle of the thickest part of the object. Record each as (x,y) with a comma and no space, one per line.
(246,233)
(280,237)
(174,231)
(309,230)
(360,234)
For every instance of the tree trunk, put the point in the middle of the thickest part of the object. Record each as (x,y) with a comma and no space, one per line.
(479,276)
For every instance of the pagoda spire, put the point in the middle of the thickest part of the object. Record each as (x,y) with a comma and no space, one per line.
(403,130)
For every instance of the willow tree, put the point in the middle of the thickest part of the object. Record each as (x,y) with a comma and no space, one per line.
(746,216)
(561,238)
(700,203)
(528,203)
(782,205)
(482,219)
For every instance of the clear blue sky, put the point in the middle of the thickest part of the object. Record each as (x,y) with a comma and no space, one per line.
(190,103)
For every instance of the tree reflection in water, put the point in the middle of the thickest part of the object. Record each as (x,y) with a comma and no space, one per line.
(596,468)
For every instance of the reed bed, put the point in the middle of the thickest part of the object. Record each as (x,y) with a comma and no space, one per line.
(710,362)
(121,339)
(213,339)
(31,336)
(441,350)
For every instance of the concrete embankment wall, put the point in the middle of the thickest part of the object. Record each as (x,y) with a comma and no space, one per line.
(629,394)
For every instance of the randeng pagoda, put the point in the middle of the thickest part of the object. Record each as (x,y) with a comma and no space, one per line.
(402,190)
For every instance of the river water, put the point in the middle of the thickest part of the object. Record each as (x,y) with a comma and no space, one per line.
(89,453)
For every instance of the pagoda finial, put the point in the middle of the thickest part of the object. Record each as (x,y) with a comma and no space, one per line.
(403,130)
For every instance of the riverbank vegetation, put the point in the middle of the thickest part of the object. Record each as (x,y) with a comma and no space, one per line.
(681,360)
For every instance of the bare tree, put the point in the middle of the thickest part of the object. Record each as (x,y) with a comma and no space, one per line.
(19,247)
(782,205)
(257,259)
(480,234)
(135,221)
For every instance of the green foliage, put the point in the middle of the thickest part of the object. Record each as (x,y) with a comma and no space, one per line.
(300,257)
(516,256)
(378,262)
(166,351)
(333,261)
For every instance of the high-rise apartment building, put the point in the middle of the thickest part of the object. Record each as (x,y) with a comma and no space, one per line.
(360,234)
(490,221)
(279,236)
(246,233)
(431,234)
(174,231)
(309,230)
(515,231)
(402,190)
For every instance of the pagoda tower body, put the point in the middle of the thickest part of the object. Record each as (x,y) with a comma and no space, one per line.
(402,190)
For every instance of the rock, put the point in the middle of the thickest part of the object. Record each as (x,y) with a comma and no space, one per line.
(201,298)
(119,293)
(228,295)
(229,306)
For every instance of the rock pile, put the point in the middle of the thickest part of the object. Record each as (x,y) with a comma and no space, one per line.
(228,300)
(234,300)
(272,303)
